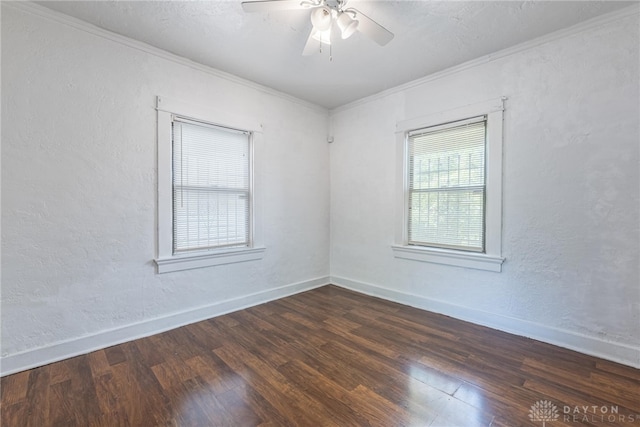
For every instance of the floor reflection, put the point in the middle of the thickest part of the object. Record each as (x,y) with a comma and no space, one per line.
(435,399)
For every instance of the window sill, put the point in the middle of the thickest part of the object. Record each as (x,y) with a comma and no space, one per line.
(208,259)
(449,257)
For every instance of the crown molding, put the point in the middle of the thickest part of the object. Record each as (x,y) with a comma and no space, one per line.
(530,44)
(43,12)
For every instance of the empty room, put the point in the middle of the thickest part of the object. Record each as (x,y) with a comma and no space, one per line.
(320,213)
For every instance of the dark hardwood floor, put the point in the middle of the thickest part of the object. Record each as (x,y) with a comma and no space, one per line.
(327,357)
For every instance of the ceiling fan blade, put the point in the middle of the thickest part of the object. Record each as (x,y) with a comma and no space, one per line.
(270,5)
(312,46)
(371,28)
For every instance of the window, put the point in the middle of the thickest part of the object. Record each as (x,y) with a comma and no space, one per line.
(447,185)
(207,204)
(450,188)
(211,191)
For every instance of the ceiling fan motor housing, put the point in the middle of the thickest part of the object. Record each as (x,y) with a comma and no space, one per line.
(334,4)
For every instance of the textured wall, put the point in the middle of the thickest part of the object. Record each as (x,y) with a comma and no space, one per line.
(571,187)
(79,185)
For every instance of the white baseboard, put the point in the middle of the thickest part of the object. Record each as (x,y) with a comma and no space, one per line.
(613,351)
(63,350)
(617,352)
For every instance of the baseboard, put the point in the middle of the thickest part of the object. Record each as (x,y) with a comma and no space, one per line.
(616,352)
(63,350)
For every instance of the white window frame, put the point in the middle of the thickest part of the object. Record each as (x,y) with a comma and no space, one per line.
(491,259)
(166,260)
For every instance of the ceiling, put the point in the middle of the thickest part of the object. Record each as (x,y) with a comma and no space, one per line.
(266,47)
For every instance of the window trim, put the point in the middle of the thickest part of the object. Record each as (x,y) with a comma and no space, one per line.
(166,260)
(491,259)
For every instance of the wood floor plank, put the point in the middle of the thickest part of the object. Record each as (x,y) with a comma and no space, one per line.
(150,353)
(82,393)
(304,311)
(380,411)
(172,373)
(197,407)
(343,328)
(336,398)
(622,391)
(457,413)
(215,373)
(38,400)
(245,317)
(13,388)
(15,415)
(98,363)
(141,394)
(115,355)
(62,412)
(622,371)
(257,343)
(110,401)
(262,408)
(60,372)
(130,393)
(240,413)
(326,357)
(299,408)
(396,383)
(501,400)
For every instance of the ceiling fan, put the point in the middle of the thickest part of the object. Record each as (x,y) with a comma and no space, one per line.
(324,14)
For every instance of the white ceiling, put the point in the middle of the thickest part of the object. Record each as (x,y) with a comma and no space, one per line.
(266,47)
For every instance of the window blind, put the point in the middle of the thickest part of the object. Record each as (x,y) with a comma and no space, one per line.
(211,186)
(446,166)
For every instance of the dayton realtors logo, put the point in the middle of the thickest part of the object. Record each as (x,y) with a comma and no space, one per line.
(597,414)
(546,411)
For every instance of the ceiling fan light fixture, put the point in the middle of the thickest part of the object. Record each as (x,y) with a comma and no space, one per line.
(324,14)
(324,37)
(321,18)
(347,25)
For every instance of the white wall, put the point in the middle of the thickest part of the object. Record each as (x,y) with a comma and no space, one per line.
(570,199)
(79,191)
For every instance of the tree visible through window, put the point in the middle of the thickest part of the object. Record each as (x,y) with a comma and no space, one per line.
(447,185)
